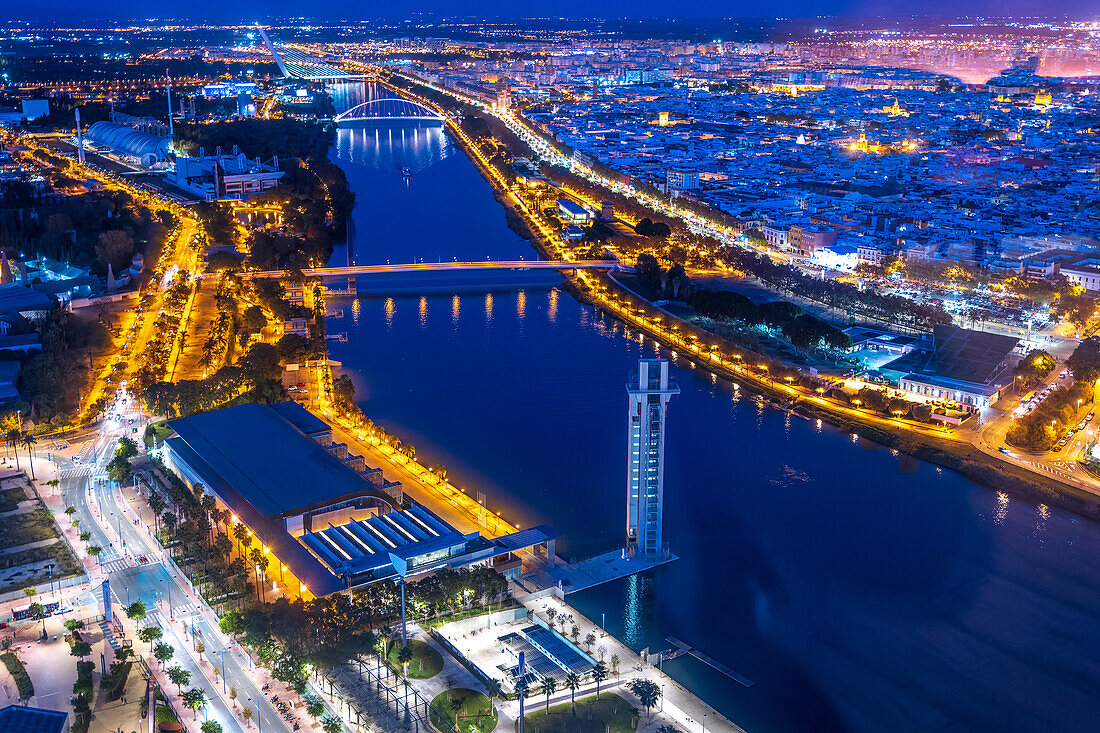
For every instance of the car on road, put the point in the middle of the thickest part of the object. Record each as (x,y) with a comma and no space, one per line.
(1002,449)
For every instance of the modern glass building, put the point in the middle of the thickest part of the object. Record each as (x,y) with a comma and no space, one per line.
(649,392)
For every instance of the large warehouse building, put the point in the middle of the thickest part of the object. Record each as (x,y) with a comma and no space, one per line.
(130,143)
(329,522)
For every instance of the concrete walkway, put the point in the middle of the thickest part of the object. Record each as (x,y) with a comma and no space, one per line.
(679,706)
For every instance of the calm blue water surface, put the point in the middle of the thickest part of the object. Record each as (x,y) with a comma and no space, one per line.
(860,590)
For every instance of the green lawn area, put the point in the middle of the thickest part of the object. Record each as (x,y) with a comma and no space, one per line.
(468,613)
(158,430)
(425,663)
(593,716)
(477,715)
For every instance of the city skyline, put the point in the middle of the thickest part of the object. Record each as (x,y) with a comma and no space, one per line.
(252,10)
(313,342)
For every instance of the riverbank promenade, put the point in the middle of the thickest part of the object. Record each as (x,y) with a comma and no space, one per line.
(680,704)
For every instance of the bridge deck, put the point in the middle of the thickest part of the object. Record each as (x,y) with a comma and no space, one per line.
(446,266)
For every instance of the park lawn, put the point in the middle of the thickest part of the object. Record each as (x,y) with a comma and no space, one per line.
(476,711)
(593,716)
(159,431)
(468,613)
(426,662)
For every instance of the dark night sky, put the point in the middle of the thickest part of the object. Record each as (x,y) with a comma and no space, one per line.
(60,11)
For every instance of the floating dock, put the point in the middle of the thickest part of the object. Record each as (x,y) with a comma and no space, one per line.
(680,648)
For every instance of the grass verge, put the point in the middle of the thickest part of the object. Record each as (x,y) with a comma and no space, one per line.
(475,713)
(426,662)
(609,713)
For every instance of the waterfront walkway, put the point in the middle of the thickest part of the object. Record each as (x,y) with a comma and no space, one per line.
(678,705)
(681,707)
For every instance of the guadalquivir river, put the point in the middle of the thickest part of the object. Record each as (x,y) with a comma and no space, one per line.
(859,590)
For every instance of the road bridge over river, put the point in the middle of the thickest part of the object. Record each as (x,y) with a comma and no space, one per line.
(518,265)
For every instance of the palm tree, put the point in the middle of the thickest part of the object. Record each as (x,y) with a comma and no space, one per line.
(13,438)
(494,689)
(456,707)
(405,656)
(573,681)
(240,533)
(548,686)
(647,691)
(28,442)
(599,673)
(157,504)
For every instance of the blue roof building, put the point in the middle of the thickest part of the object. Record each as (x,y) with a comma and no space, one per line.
(333,522)
(20,719)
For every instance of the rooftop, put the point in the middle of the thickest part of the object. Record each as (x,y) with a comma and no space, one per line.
(20,719)
(265,453)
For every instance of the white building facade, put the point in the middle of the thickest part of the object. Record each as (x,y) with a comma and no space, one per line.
(649,394)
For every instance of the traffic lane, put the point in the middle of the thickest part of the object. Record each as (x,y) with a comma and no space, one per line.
(74,492)
(140,582)
(216,708)
(238,674)
(166,586)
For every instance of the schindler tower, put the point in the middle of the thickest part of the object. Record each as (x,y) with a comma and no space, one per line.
(645,493)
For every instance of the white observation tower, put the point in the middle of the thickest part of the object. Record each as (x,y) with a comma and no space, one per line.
(649,393)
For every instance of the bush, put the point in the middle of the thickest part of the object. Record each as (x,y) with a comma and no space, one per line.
(19,673)
(116,682)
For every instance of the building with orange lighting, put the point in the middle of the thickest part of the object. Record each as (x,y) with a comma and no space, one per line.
(327,521)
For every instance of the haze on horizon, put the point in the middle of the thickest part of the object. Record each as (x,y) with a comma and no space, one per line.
(214,11)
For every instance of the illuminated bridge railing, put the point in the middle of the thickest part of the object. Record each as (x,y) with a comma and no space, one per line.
(448,267)
(388,108)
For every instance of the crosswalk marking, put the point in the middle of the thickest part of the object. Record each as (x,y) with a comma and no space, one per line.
(182,611)
(113,566)
(78,471)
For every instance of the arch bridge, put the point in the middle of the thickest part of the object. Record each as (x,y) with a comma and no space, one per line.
(388,108)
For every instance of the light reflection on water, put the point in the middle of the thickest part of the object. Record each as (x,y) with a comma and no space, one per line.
(390,308)
(813,588)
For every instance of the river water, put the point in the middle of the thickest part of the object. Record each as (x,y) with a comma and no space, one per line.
(858,589)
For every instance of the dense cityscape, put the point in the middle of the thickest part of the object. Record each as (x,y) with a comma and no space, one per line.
(314,336)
